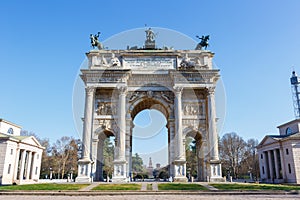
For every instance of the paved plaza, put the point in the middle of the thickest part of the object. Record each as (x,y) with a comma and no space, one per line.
(153,197)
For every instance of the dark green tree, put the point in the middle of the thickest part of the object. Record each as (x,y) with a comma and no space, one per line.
(137,163)
(191,156)
(108,155)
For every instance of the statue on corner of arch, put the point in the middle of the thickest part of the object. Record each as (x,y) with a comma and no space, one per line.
(203,42)
(95,41)
(150,35)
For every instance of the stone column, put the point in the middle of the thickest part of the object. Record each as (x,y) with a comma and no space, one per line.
(85,163)
(270,165)
(16,165)
(120,171)
(276,163)
(172,149)
(22,165)
(180,162)
(87,127)
(28,168)
(213,134)
(178,122)
(122,122)
(282,164)
(215,164)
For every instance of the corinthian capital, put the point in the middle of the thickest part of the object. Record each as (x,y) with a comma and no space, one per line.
(89,90)
(178,89)
(122,89)
(211,90)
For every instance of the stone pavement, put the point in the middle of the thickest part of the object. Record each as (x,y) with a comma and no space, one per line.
(153,197)
(144,186)
(90,187)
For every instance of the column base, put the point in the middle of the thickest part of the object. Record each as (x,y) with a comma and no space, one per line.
(84,170)
(180,171)
(215,172)
(120,171)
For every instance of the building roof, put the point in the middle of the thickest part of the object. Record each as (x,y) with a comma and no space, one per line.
(290,122)
(30,140)
(278,138)
(8,122)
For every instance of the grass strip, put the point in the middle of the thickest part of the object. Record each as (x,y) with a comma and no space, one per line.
(180,186)
(45,186)
(130,186)
(252,186)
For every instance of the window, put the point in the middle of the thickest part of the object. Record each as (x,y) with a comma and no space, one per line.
(288,131)
(287,151)
(261,156)
(9,167)
(290,170)
(11,151)
(37,156)
(10,131)
(36,170)
(263,170)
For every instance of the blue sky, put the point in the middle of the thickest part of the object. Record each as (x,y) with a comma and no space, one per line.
(43,43)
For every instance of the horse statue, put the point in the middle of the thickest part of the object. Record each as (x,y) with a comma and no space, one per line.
(203,42)
(95,42)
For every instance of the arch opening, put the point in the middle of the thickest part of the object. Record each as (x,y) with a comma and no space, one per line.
(194,155)
(150,138)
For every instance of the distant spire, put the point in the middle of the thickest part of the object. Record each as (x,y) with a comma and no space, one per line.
(150,163)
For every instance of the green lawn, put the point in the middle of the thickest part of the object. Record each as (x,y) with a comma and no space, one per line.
(250,186)
(180,186)
(46,186)
(130,186)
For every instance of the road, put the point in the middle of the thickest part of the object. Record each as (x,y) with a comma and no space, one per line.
(154,197)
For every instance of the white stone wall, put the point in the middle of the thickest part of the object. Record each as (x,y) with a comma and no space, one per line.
(296,158)
(3,146)
(10,159)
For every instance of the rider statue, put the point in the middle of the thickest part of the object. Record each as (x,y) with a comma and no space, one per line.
(95,42)
(203,42)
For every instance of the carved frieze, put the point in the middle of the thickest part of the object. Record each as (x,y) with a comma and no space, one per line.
(150,79)
(194,108)
(166,96)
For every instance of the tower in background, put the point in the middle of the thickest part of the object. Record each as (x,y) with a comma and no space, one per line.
(295,82)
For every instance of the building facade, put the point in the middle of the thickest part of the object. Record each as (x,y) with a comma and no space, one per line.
(20,156)
(121,83)
(279,155)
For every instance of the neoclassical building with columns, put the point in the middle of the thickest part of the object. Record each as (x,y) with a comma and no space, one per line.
(121,83)
(20,156)
(279,155)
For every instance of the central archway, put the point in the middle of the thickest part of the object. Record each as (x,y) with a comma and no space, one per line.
(148,105)
(150,142)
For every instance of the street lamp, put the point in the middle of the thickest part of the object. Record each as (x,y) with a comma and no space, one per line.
(92,176)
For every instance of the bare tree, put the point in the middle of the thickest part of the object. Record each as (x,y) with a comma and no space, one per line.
(232,152)
(64,152)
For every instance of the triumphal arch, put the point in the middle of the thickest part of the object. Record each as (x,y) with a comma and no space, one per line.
(121,83)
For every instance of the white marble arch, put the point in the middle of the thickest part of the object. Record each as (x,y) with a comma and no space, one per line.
(116,94)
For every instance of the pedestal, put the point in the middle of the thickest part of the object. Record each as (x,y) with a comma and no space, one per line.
(150,45)
(180,171)
(84,171)
(215,171)
(120,171)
